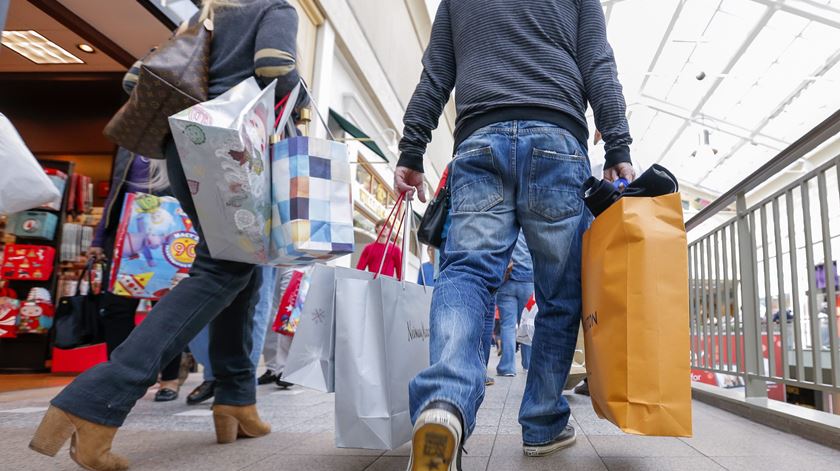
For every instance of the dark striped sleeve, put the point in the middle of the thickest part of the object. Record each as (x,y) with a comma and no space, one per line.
(432,93)
(600,79)
(130,79)
(275,55)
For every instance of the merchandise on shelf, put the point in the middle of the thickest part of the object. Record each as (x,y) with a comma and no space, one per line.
(9,306)
(27,262)
(59,179)
(36,313)
(33,224)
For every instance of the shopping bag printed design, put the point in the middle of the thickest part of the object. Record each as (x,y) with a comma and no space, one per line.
(635,320)
(313,210)
(8,317)
(224,149)
(525,330)
(287,302)
(155,247)
(27,262)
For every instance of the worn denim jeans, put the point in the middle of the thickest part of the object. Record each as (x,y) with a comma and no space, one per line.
(489,317)
(511,300)
(200,344)
(507,176)
(219,293)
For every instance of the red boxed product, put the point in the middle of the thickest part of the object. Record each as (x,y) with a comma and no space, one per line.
(77,360)
(27,262)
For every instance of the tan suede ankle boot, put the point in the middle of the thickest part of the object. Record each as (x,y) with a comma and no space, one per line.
(234,422)
(90,444)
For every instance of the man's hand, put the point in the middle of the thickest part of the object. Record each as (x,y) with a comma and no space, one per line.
(407,180)
(622,170)
(96,253)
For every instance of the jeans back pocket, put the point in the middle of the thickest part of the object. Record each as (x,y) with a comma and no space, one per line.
(476,181)
(555,182)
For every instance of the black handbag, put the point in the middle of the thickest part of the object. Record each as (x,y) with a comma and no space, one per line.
(77,320)
(430,231)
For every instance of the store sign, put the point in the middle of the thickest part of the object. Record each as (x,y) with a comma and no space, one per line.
(370,203)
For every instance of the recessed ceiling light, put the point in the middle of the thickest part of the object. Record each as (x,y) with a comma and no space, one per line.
(86,48)
(37,48)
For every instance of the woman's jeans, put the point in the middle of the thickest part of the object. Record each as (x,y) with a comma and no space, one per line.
(507,176)
(200,345)
(511,300)
(219,293)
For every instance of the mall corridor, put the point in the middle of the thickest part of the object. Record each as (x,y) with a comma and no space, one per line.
(174,436)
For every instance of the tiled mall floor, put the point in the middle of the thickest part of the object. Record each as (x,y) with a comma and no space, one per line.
(173,436)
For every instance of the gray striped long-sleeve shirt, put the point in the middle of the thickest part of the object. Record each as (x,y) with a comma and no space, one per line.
(531,59)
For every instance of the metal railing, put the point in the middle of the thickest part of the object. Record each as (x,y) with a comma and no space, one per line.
(763,285)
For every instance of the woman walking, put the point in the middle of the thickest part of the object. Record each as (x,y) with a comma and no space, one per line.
(250,38)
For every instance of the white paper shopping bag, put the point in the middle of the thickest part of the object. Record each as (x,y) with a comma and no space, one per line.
(23,183)
(311,361)
(224,149)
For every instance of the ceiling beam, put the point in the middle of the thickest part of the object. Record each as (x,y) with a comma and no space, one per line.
(807,9)
(662,44)
(87,32)
(822,70)
(717,124)
(753,34)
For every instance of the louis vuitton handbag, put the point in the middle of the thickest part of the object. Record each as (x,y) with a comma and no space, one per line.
(172,78)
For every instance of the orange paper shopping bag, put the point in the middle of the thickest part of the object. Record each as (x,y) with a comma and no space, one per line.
(635,316)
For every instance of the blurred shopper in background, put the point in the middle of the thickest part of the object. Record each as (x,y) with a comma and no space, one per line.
(132,173)
(511,299)
(520,161)
(250,38)
(373,253)
(426,275)
(276,348)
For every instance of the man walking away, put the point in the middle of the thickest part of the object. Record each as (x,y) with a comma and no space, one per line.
(523,75)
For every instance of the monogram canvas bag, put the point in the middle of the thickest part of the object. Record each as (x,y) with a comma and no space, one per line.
(172,78)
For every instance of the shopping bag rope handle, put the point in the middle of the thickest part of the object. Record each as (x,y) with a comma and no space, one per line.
(395,212)
(284,103)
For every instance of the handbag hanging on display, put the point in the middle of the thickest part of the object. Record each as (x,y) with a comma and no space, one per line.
(77,320)
(172,78)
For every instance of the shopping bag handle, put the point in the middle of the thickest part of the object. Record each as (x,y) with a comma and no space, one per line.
(394,214)
(288,105)
(409,215)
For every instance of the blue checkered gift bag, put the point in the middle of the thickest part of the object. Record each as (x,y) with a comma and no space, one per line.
(312,205)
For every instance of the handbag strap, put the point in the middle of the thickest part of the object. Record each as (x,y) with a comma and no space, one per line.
(89,271)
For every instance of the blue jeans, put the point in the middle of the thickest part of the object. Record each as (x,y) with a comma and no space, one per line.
(511,299)
(507,176)
(219,293)
(200,345)
(489,318)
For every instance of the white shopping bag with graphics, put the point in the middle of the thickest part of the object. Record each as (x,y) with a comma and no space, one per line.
(525,330)
(311,361)
(224,149)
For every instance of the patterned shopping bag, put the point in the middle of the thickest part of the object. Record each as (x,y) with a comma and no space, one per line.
(313,218)
(223,146)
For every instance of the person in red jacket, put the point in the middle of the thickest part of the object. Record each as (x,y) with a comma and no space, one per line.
(372,255)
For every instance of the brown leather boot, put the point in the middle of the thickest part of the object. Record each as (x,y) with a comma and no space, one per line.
(90,444)
(234,422)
